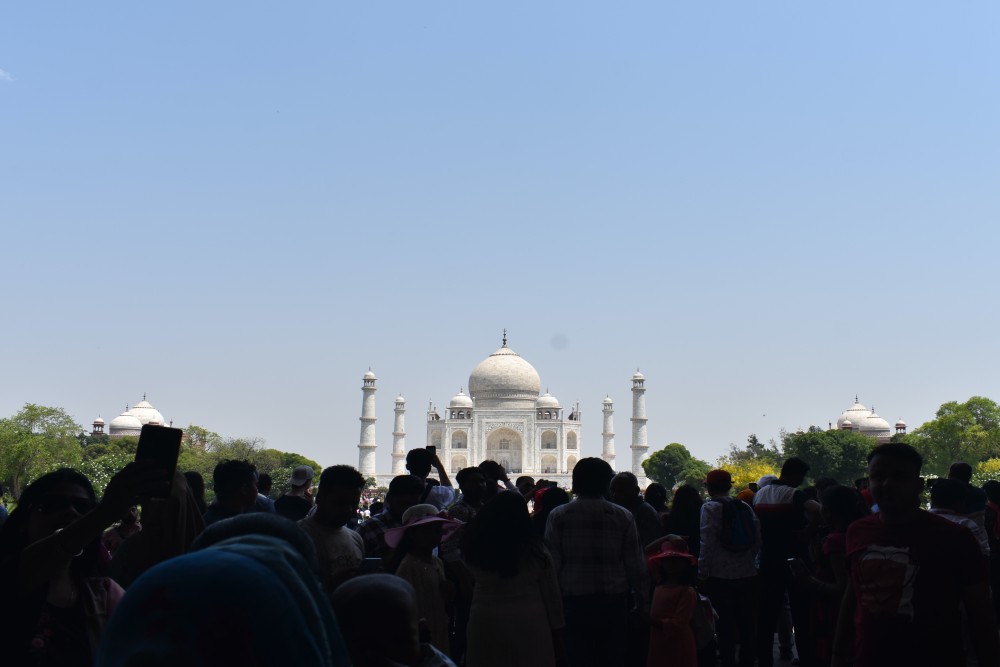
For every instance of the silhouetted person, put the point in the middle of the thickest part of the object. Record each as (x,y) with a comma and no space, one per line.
(784,511)
(339,549)
(381,622)
(602,574)
(727,569)
(516,589)
(404,492)
(235,485)
(911,574)
(297,500)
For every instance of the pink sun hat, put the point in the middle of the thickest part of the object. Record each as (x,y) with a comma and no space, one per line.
(419,515)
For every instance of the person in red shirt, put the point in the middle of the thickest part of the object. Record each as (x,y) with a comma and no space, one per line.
(915,579)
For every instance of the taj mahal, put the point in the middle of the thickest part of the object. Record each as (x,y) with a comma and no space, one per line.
(504,417)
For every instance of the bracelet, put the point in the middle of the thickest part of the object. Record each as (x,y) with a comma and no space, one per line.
(62,548)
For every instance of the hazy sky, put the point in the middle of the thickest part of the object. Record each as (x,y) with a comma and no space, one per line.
(238,208)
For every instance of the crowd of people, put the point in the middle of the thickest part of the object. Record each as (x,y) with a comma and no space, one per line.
(495,573)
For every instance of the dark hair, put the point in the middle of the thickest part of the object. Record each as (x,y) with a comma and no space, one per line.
(464,474)
(824,483)
(524,478)
(899,451)
(13,533)
(947,493)
(196,483)
(844,504)
(491,469)
(656,495)
(419,457)
(264,482)
(499,534)
(591,477)
(992,489)
(376,507)
(961,471)
(687,501)
(406,485)
(343,476)
(230,475)
(794,467)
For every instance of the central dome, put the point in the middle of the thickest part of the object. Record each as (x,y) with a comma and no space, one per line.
(504,377)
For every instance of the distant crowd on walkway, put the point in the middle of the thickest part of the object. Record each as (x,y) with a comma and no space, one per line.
(500,574)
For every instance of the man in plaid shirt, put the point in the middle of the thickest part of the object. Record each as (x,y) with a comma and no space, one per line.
(596,554)
(404,492)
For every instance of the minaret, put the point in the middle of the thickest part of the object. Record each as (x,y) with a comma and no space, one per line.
(608,453)
(399,439)
(366,453)
(639,445)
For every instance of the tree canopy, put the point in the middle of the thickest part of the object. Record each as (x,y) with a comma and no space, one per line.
(36,440)
(967,432)
(39,439)
(674,465)
(841,455)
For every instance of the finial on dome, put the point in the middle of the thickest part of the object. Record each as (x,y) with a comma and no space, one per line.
(856,398)
(144,396)
(504,338)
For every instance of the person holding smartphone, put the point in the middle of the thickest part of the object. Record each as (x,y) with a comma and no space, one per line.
(419,462)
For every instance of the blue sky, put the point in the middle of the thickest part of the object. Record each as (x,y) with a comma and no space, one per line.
(238,208)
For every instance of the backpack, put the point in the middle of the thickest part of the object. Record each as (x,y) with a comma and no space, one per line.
(738,530)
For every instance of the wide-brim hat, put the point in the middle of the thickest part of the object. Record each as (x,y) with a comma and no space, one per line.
(668,550)
(420,515)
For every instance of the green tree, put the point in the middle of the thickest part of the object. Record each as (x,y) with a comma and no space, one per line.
(967,432)
(34,441)
(674,465)
(842,455)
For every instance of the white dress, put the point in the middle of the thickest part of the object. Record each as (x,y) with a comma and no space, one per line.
(512,618)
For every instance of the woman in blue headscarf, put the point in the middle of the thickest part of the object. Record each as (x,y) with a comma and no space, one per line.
(248,599)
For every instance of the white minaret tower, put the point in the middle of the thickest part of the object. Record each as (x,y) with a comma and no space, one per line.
(366,448)
(639,444)
(399,439)
(608,453)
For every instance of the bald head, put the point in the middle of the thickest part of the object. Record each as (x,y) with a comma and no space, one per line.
(379,619)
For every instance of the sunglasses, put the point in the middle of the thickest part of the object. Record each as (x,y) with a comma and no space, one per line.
(51,504)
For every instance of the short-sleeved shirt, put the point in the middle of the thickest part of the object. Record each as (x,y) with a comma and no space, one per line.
(292,507)
(907,582)
(338,549)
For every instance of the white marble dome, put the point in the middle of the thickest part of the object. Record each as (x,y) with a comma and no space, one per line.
(547,401)
(503,378)
(856,414)
(146,413)
(125,424)
(460,400)
(875,425)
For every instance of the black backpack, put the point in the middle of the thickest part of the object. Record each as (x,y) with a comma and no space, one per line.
(739,533)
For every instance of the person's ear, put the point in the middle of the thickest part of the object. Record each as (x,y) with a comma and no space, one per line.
(921,483)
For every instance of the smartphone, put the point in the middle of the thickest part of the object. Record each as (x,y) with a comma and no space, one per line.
(162,445)
(432,449)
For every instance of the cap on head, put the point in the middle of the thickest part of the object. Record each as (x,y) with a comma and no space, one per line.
(301,476)
(718,478)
